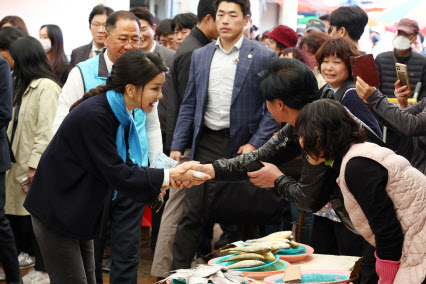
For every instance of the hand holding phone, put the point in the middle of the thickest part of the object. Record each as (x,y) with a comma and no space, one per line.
(364,67)
(402,74)
(25,184)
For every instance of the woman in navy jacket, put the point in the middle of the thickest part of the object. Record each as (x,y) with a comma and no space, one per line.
(87,159)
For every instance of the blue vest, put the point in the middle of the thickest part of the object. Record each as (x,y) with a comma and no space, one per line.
(90,73)
(92,79)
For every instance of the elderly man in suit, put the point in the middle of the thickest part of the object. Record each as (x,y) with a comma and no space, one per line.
(97,20)
(8,252)
(223,107)
(148,44)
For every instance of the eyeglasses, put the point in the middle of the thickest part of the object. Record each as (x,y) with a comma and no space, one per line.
(98,26)
(123,41)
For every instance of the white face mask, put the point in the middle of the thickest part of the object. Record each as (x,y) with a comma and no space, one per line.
(46,43)
(402,43)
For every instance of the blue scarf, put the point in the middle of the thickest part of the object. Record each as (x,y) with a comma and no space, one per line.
(137,147)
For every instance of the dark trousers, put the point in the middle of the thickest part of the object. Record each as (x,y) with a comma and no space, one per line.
(25,239)
(329,237)
(8,252)
(156,222)
(125,241)
(211,147)
(68,261)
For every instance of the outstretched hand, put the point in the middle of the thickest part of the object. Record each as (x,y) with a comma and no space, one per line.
(187,174)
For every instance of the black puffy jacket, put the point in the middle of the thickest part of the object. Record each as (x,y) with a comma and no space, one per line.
(416,65)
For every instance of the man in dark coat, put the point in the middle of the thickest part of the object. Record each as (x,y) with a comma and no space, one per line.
(97,20)
(8,252)
(416,66)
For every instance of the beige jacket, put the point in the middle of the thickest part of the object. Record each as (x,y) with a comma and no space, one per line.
(33,134)
(320,79)
(407,189)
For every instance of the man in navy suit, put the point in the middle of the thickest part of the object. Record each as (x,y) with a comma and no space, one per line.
(224,109)
(8,252)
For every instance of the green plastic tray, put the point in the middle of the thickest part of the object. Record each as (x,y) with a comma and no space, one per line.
(292,251)
(275,265)
(318,278)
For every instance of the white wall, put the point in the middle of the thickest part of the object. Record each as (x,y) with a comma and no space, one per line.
(269,18)
(71,16)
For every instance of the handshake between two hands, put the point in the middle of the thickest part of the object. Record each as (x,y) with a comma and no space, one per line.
(189,174)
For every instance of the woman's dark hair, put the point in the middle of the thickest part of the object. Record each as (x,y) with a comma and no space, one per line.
(136,67)
(297,54)
(313,41)
(30,64)
(325,125)
(290,81)
(14,21)
(164,28)
(341,48)
(244,4)
(281,46)
(99,10)
(8,35)
(184,21)
(58,59)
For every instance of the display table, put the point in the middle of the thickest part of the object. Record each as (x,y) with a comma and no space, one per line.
(327,261)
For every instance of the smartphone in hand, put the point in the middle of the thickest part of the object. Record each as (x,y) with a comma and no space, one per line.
(402,74)
(364,67)
(25,184)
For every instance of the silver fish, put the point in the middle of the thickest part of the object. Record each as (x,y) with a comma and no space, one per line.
(246,264)
(196,280)
(252,249)
(245,256)
(207,270)
(220,280)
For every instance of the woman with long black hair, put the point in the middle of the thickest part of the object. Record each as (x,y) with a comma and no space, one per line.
(34,106)
(88,158)
(53,43)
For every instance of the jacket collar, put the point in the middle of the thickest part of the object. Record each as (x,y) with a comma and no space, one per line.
(103,70)
(400,58)
(35,83)
(200,36)
(245,59)
(338,95)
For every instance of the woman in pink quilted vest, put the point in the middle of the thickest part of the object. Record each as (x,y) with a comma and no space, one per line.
(383,194)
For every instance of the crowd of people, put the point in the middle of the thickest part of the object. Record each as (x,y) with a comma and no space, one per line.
(79,139)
